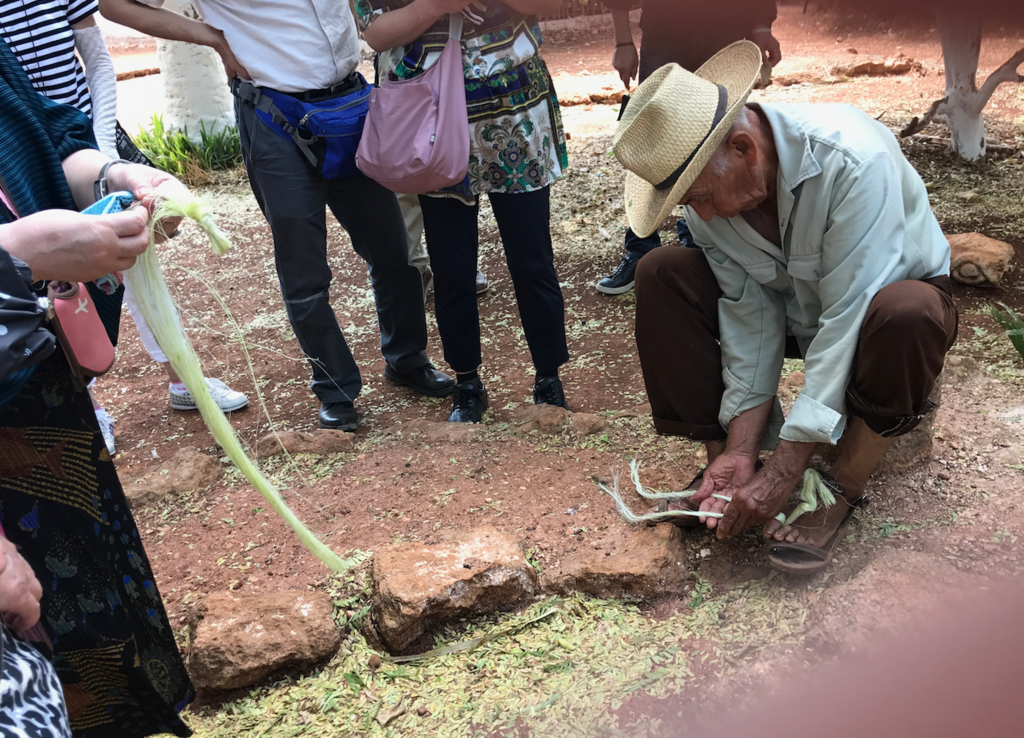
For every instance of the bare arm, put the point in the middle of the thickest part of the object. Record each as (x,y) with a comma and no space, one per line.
(81,169)
(160,22)
(405,25)
(535,7)
(69,246)
(625,59)
(172,26)
(620,25)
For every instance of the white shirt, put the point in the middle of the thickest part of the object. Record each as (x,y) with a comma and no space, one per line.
(854,217)
(288,45)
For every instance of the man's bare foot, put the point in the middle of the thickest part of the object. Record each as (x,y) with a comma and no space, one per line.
(813,529)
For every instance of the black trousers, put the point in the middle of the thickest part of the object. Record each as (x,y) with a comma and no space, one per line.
(452,242)
(293,198)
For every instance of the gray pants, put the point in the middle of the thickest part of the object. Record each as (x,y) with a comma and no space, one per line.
(293,198)
(410,205)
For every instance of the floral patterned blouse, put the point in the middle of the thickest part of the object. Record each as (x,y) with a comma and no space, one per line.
(516,139)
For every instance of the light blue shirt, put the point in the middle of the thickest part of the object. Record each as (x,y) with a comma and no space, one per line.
(854,217)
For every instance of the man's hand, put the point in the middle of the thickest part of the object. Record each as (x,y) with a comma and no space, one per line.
(724,476)
(231,65)
(764,496)
(626,63)
(760,500)
(771,51)
(20,591)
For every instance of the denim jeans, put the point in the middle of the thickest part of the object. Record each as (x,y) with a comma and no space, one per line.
(642,246)
(293,197)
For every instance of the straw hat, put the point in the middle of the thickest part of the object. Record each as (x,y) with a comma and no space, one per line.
(672,126)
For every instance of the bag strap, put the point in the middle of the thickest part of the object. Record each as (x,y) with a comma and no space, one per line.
(382,63)
(249,93)
(455,26)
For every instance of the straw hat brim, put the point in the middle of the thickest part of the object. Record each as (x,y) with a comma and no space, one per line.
(737,68)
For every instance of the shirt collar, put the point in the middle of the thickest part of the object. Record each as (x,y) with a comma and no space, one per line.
(792,145)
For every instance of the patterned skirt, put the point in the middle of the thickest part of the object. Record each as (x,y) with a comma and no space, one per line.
(106,630)
(517,143)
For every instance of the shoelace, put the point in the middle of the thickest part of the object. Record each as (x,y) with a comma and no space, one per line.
(551,393)
(623,266)
(464,399)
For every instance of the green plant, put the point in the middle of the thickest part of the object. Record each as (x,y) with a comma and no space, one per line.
(176,153)
(1010,322)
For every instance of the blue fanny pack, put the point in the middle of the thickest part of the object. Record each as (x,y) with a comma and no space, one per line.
(327,132)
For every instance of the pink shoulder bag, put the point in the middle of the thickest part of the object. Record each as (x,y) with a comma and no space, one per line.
(416,137)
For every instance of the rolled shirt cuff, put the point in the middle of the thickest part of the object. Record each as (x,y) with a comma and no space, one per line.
(739,397)
(811,422)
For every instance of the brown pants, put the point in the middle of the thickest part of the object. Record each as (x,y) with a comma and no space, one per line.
(908,329)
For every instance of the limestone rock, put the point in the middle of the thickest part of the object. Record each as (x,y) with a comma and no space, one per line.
(586,424)
(419,587)
(958,368)
(977,260)
(649,564)
(321,442)
(796,379)
(798,78)
(545,418)
(243,638)
(439,432)
(607,95)
(879,67)
(186,471)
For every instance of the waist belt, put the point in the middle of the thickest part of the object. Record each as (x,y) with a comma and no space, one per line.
(263,100)
(350,84)
(325,125)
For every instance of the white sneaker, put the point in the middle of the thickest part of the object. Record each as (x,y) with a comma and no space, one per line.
(225,397)
(106,428)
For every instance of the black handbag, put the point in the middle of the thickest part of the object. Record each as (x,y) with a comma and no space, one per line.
(24,338)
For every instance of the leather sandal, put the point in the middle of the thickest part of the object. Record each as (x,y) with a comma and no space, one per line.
(804,559)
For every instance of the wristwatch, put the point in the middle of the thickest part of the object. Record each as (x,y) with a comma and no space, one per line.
(99,187)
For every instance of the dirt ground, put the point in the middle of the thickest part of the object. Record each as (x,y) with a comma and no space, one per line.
(952,520)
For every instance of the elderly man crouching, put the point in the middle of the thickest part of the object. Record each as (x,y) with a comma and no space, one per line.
(816,241)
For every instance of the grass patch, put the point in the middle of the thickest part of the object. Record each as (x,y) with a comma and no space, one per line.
(566,674)
(1010,322)
(175,152)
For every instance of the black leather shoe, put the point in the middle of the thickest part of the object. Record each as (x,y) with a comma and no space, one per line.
(548,391)
(339,416)
(426,380)
(469,402)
